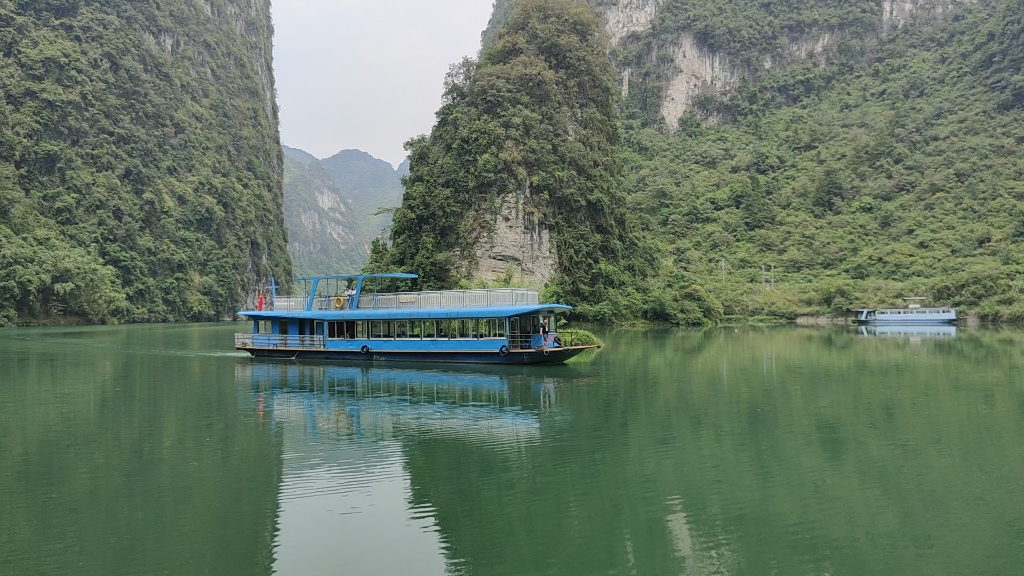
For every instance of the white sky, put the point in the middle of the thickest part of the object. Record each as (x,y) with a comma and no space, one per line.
(367,74)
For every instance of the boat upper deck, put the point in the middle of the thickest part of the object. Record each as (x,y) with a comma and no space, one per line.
(351,295)
(490,298)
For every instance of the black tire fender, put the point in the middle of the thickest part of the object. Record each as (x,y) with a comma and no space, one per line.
(365,349)
(503,350)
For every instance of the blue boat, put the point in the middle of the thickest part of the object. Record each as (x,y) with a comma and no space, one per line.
(366,318)
(912,315)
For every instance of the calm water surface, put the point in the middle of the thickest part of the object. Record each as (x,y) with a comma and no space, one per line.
(158,450)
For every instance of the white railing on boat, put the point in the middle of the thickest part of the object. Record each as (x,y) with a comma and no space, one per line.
(270,341)
(289,303)
(450,299)
(416,300)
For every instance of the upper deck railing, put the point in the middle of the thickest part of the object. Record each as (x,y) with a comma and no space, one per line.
(450,299)
(413,300)
(288,304)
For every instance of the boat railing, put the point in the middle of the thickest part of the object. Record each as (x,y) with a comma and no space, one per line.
(450,299)
(288,303)
(415,300)
(520,342)
(288,341)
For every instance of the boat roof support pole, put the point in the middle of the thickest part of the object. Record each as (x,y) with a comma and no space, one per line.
(312,295)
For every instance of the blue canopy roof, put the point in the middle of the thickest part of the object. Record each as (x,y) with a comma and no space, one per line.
(413,313)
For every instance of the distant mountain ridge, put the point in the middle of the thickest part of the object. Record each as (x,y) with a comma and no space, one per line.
(331,208)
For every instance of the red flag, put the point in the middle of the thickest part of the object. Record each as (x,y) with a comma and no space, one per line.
(259,303)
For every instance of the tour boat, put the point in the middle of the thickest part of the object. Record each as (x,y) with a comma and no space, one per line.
(913,314)
(365,318)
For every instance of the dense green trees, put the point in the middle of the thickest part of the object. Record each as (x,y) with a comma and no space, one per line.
(886,174)
(140,170)
(892,171)
(535,117)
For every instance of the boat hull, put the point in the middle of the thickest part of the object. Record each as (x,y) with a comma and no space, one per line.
(549,356)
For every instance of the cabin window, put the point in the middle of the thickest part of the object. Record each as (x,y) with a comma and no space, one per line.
(401,329)
(415,329)
(376,329)
(461,329)
(491,328)
(429,329)
(265,327)
(388,328)
(442,329)
(360,330)
(282,327)
(337,331)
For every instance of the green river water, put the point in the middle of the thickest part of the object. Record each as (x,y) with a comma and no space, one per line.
(159,450)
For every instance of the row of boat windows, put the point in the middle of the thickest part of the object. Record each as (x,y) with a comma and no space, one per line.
(901,312)
(417,329)
(400,329)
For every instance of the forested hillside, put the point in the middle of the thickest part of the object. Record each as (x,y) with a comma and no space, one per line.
(324,231)
(336,207)
(373,186)
(895,170)
(140,165)
(804,158)
(531,131)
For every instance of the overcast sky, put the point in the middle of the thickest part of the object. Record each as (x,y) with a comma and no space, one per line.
(367,74)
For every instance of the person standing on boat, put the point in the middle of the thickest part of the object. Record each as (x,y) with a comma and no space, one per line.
(544,333)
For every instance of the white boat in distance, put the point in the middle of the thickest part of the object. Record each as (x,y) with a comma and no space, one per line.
(913,314)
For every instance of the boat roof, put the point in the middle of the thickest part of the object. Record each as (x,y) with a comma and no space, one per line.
(412,313)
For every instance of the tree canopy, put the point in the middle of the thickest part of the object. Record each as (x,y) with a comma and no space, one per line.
(537,117)
(140,170)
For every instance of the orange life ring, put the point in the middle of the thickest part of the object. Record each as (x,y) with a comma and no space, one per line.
(339,302)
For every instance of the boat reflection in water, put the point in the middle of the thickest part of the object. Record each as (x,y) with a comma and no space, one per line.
(912,332)
(351,436)
(377,401)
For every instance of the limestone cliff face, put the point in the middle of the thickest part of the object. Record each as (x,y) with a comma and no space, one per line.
(517,241)
(627,16)
(896,13)
(323,230)
(699,69)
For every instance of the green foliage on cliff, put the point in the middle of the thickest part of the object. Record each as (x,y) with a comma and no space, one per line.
(140,170)
(372,185)
(323,228)
(534,120)
(886,174)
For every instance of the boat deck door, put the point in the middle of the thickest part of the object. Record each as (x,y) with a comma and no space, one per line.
(521,330)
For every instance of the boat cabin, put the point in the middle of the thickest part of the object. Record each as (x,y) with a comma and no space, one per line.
(912,314)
